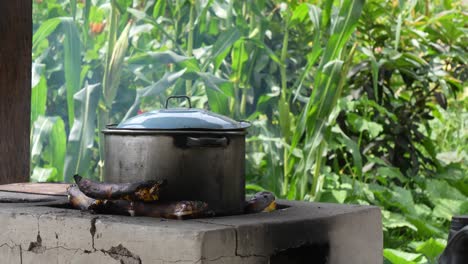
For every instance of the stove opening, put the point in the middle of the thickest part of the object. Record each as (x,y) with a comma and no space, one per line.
(310,253)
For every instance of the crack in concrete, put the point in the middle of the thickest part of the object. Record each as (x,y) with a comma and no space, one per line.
(36,246)
(252,255)
(211,223)
(237,242)
(9,246)
(225,257)
(92,230)
(120,253)
(123,255)
(64,248)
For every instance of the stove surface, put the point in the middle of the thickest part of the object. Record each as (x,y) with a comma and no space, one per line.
(42,229)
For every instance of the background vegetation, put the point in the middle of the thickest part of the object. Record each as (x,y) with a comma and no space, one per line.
(350,101)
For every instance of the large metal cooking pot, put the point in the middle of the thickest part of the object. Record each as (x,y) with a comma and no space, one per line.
(201,154)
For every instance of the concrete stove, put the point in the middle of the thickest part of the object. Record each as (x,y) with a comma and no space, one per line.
(41,229)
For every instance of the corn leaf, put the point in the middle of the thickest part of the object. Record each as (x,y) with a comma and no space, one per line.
(159,8)
(112,73)
(316,109)
(40,130)
(57,147)
(81,138)
(46,28)
(222,46)
(160,86)
(114,68)
(342,28)
(158,58)
(38,95)
(217,84)
(72,63)
(43,174)
(48,142)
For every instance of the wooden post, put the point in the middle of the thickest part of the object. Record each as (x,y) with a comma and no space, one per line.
(15,89)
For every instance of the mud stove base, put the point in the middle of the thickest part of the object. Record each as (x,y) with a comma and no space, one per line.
(40,229)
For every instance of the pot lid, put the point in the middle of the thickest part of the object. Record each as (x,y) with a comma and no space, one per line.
(182,119)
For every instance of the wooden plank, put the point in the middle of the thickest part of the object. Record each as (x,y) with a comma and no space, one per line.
(37,188)
(15,89)
(16,197)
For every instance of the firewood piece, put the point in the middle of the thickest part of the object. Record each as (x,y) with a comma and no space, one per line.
(138,191)
(78,199)
(170,210)
(261,202)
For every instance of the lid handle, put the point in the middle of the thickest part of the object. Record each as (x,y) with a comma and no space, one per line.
(178,96)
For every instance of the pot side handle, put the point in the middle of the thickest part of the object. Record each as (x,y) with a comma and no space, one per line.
(193,142)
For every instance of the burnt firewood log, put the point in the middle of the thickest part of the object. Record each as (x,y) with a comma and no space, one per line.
(261,202)
(171,210)
(138,191)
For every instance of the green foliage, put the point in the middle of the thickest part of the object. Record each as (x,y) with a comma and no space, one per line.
(39,92)
(350,101)
(48,148)
(71,63)
(81,137)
